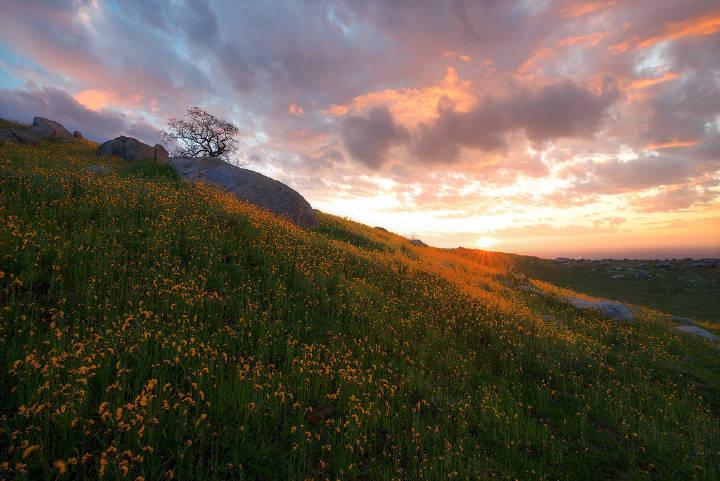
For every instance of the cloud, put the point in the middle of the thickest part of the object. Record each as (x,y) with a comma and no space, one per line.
(550,230)
(581,9)
(296,110)
(643,83)
(672,144)
(679,198)
(369,139)
(554,111)
(708,24)
(58,105)
(668,168)
(440,106)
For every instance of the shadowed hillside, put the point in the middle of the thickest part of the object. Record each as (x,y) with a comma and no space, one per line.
(156,329)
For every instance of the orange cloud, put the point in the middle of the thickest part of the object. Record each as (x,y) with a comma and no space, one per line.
(95,99)
(545,53)
(649,82)
(695,27)
(411,106)
(296,110)
(673,144)
(300,140)
(451,54)
(583,9)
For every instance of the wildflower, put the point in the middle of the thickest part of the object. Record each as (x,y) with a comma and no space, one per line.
(60,466)
(202,417)
(29,450)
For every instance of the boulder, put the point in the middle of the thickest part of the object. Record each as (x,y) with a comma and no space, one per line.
(250,186)
(9,136)
(698,331)
(78,135)
(683,320)
(612,309)
(49,128)
(40,129)
(132,149)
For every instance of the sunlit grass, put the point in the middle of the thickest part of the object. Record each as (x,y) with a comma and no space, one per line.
(153,329)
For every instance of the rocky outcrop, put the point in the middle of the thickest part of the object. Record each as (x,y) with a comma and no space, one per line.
(698,331)
(612,309)
(40,129)
(250,186)
(132,149)
(418,243)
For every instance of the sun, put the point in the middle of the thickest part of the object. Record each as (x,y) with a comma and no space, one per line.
(485,242)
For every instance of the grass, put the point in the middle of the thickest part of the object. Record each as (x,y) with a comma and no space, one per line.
(11,124)
(154,329)
(676,289)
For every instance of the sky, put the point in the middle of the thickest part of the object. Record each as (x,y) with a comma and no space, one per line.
(542,127)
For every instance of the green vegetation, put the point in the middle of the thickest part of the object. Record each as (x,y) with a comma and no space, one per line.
(10,124)
(152,329)
(676,287)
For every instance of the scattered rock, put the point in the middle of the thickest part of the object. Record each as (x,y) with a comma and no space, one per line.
(683,320)
(612,309)
(132,149)
(40,129)
(697,331)
(532,289)
(9,136)
(706,263)
(418,243)
(249,186)
(99,169)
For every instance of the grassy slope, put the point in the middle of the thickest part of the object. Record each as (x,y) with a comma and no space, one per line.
(10,124)
(151,328)
(675,289)
(678,290)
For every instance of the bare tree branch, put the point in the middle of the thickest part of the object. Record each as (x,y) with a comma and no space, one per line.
(201,134)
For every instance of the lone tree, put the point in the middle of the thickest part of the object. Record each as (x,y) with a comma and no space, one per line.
(201,134)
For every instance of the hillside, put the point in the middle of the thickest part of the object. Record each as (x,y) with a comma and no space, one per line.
(155,329)
(682,287)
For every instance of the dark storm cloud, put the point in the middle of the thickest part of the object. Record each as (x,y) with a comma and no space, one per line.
(554,111)
(368,139)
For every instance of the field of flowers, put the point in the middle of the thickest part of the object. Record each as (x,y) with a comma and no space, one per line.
(151,329)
